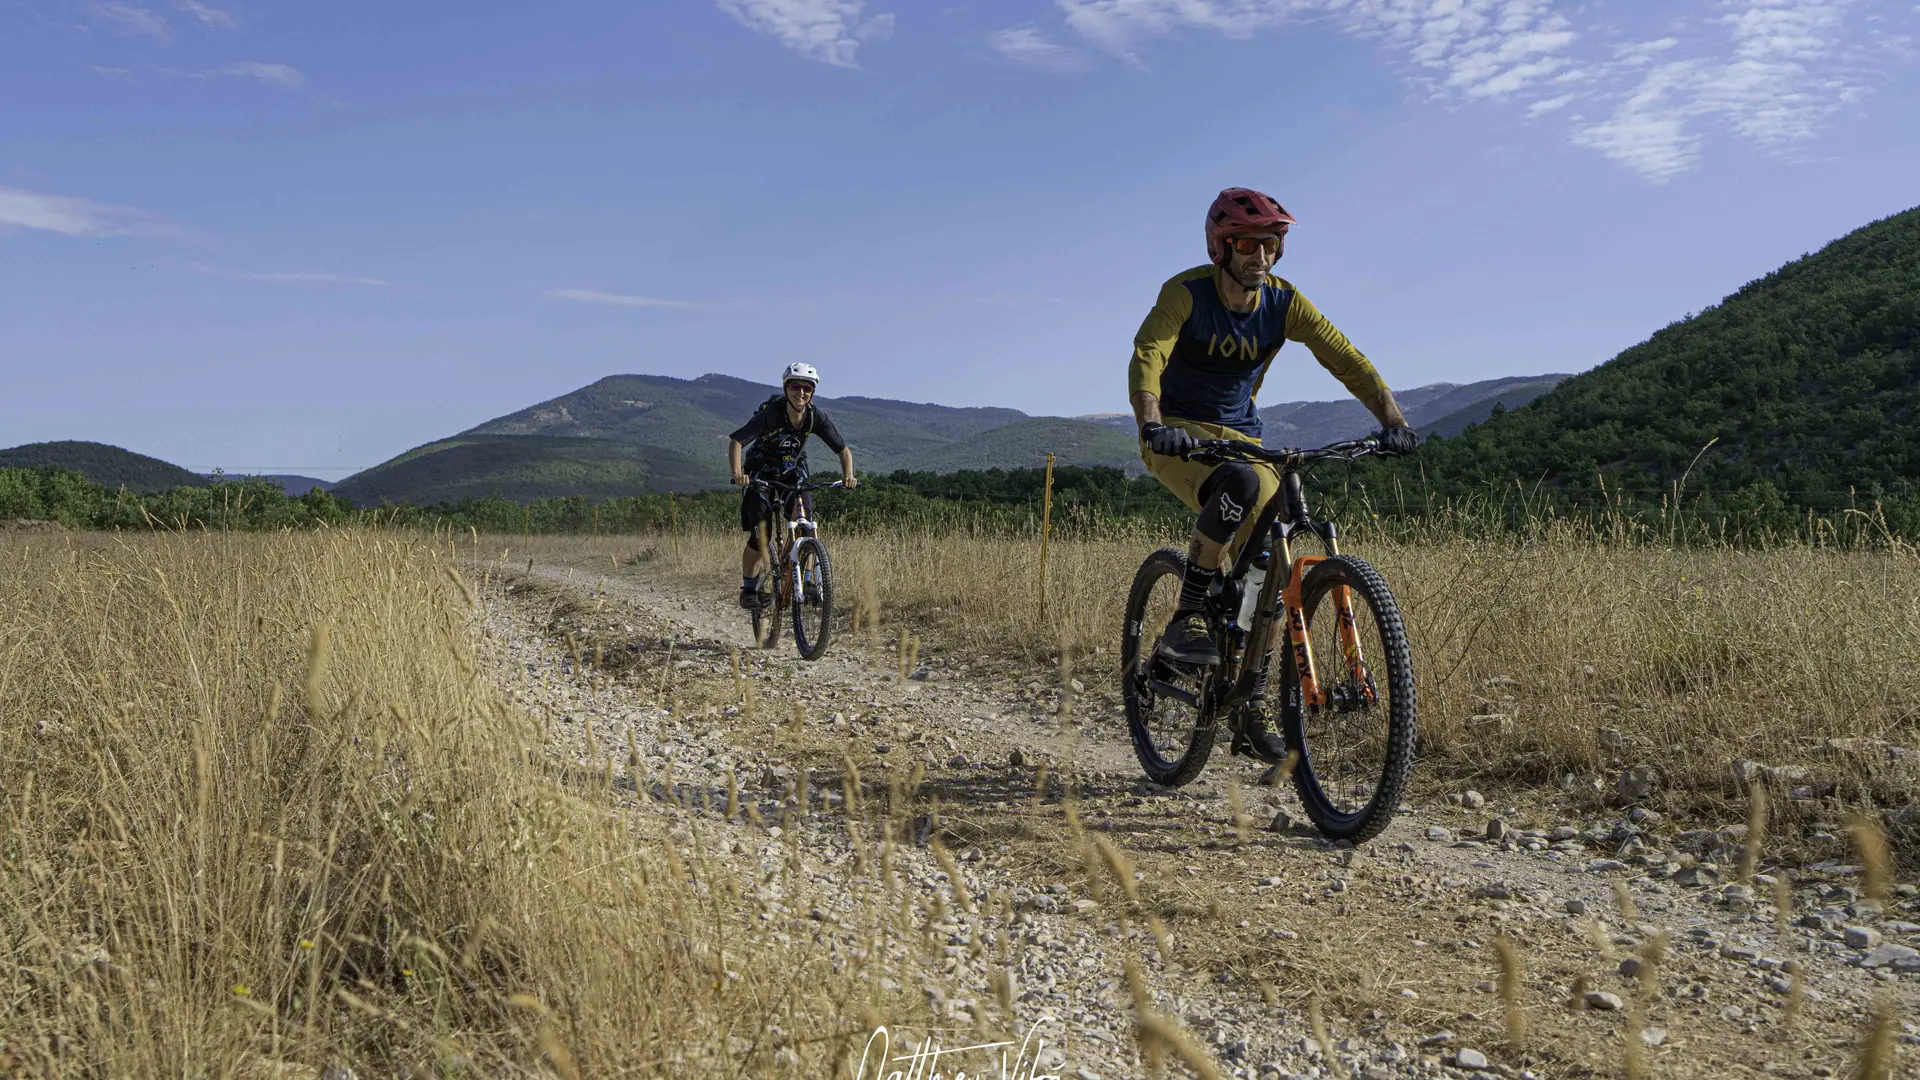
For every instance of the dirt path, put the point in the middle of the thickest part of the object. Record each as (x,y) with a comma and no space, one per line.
(1238,929)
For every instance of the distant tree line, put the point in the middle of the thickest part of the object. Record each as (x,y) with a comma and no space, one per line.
(1086,501)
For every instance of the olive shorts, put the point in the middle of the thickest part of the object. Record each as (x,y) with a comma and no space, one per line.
(1184,478)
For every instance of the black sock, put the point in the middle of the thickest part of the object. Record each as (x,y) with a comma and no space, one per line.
(750,582)
(1194,585)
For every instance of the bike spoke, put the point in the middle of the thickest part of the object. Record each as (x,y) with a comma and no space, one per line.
(1348,732)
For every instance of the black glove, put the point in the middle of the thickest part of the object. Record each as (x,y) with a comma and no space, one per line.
(1167,441)
(1399,440)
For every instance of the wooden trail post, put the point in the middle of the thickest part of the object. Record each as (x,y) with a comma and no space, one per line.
(596,521)
(527,524)
(673,524)
(1046,530)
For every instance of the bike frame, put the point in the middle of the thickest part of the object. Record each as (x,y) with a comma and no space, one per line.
(785,563)
(1275,598)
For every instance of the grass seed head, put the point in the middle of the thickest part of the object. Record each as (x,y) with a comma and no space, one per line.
(1756,829)
(954,877)
(1875,1060)
(1512,977)
(1623,900)
(1119,866)
(1874,861)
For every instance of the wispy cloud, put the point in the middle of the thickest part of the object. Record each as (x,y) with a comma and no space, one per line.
(1770,71)
(131,21)
(830,31)
(279,74)
(286,277)
(208,16)
(1789,67)
(1480,48)
(618,299)
(1030,46)
(71,216)
(1648,131)
(111,72)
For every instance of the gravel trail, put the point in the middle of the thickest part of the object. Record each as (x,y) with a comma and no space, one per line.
(1244,921)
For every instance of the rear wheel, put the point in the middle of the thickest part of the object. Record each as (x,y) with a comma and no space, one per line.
(1356,747)
(813,608)
(766,615)
(1171,734)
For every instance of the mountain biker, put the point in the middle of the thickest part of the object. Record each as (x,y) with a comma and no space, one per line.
(778,432)
(1198,360)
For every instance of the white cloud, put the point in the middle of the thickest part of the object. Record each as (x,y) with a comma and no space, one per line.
(292,277)
(132,21)
(280,74)
(1480,48)
(1030,46)
(829,31)
(1789,69)
(1769,71)
(69,216)
(208,16)
(111,72)
(1647,132)
(1547,105)
(617,299)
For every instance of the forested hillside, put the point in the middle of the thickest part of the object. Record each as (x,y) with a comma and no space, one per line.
(1801,390)
(108,466)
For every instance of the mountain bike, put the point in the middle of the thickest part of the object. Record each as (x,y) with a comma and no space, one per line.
(1344,699)
(800,576)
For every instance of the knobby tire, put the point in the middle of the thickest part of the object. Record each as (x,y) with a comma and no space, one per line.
(1371,600)
(810,553)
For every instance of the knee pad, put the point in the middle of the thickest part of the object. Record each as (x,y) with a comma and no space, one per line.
(1226,499)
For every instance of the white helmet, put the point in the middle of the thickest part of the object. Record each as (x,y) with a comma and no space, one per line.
(801,373)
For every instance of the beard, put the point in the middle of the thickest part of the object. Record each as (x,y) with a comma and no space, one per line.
(1248,272)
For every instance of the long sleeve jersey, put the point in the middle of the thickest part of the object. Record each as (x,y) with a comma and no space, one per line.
(1206,362)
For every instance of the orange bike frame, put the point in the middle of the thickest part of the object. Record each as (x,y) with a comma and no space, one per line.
(1310,692)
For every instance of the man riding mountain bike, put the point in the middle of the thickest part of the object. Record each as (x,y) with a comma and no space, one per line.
(778,433)
(1198,362)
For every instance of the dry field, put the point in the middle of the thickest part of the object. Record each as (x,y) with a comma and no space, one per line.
(261,815)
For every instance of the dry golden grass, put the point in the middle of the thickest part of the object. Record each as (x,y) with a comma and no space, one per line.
(1558,658)
(260,813)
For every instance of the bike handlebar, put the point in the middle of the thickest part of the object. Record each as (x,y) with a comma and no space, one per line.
(795,488)
(1215,451)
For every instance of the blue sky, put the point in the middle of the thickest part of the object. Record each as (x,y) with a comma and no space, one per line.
(306,237)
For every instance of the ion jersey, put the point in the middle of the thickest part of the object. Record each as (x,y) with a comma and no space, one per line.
(1206,363)
(779,446)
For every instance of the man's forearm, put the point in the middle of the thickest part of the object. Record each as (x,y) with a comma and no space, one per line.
(846,463)
(733,457)
(1146,409)
(1385,409)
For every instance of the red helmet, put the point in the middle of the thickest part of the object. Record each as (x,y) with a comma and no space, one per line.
(1240,211)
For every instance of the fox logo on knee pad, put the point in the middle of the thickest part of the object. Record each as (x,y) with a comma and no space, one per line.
(1230,510)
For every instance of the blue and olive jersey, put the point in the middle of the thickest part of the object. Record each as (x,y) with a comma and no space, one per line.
(778,445)
(1206,362)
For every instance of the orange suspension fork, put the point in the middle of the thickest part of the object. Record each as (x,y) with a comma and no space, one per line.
(1310,692)
(1350,638)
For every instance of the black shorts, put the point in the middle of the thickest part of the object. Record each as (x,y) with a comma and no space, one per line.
(756,508)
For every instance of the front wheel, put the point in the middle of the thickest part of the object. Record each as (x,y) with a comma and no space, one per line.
(1356,740)
(813,607)
(1165,702)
